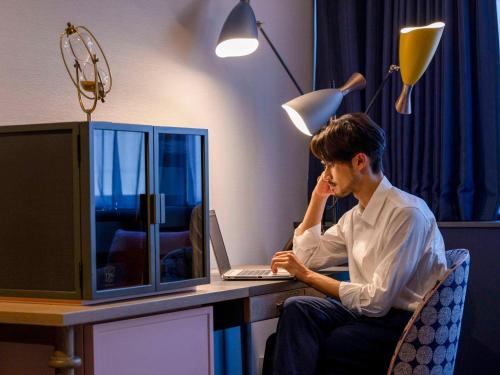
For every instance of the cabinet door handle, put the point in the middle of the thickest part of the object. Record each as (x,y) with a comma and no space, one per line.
(161,201)
(157,212)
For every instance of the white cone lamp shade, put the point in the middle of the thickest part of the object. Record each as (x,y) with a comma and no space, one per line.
(312,110)
(238,36)
(417,46)
(309,112)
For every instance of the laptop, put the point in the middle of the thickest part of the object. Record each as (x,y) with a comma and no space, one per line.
(243,273)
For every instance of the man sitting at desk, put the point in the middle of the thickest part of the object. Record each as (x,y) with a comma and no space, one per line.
(393,247)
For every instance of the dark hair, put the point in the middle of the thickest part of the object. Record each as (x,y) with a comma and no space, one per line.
(347,136)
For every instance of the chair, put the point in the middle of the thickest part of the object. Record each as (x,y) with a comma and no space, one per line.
(429,342)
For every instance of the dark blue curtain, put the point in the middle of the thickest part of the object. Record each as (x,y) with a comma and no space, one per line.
(448,151)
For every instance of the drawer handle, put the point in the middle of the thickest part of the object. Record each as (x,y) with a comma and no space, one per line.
(293,293)
(279,307)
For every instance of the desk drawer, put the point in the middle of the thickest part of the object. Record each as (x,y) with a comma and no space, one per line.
(266,306)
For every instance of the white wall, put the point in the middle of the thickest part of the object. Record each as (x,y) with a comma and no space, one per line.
(161,54)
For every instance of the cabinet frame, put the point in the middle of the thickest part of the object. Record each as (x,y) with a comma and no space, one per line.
(84,226)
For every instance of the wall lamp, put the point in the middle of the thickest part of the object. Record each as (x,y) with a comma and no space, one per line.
(417,46)
(309,112)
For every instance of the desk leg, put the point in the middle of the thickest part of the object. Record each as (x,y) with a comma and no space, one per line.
(63,358)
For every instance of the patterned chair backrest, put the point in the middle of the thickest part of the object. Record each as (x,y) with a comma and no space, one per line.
(429,341)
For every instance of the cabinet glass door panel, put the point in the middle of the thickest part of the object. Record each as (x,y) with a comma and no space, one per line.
(180,193)
(121,212)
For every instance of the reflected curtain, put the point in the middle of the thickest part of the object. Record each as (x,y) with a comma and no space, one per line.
(193,151)
(180,169)
(119,169)
(448,151)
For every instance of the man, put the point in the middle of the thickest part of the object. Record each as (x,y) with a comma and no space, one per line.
(394,251)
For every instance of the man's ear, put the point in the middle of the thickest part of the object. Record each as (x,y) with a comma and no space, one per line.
(360,161)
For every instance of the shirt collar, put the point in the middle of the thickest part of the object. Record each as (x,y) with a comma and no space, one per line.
(374,206)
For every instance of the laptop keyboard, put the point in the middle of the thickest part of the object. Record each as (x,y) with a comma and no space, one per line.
(253,272)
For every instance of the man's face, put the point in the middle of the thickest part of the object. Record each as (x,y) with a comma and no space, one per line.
(341,177)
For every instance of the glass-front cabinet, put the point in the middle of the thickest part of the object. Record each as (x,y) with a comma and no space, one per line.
(149,202)
(100,210)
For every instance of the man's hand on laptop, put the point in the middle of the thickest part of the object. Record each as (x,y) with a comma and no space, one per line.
(288,261)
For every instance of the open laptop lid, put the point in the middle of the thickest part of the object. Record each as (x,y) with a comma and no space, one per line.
(218,244)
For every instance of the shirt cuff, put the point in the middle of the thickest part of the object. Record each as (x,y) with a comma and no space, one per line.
(309,238)
(349,296)
(305,244)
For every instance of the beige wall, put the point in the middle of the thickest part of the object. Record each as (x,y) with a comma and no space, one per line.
(161,54)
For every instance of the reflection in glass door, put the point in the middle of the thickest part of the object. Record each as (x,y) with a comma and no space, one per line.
(121,222)
(180,183)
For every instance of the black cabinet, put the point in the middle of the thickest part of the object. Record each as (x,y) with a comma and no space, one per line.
(102,210)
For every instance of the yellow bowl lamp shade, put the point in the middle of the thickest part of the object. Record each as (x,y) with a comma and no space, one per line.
(417,46)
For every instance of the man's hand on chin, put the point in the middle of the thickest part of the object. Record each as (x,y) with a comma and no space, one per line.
(288,261)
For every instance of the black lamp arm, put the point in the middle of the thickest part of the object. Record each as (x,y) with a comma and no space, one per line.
(393,68)
(259,25)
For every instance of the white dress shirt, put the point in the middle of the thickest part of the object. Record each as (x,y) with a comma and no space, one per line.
(393,248)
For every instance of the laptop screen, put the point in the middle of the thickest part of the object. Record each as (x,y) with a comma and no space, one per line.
(218,244)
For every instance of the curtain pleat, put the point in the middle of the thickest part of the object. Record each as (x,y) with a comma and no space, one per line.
(448,150)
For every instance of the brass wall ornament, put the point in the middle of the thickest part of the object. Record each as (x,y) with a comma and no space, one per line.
(91,75)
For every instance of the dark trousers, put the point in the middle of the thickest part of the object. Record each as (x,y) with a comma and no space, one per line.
(320,336)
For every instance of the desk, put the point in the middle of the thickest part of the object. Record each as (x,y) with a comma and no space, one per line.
(255,300)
